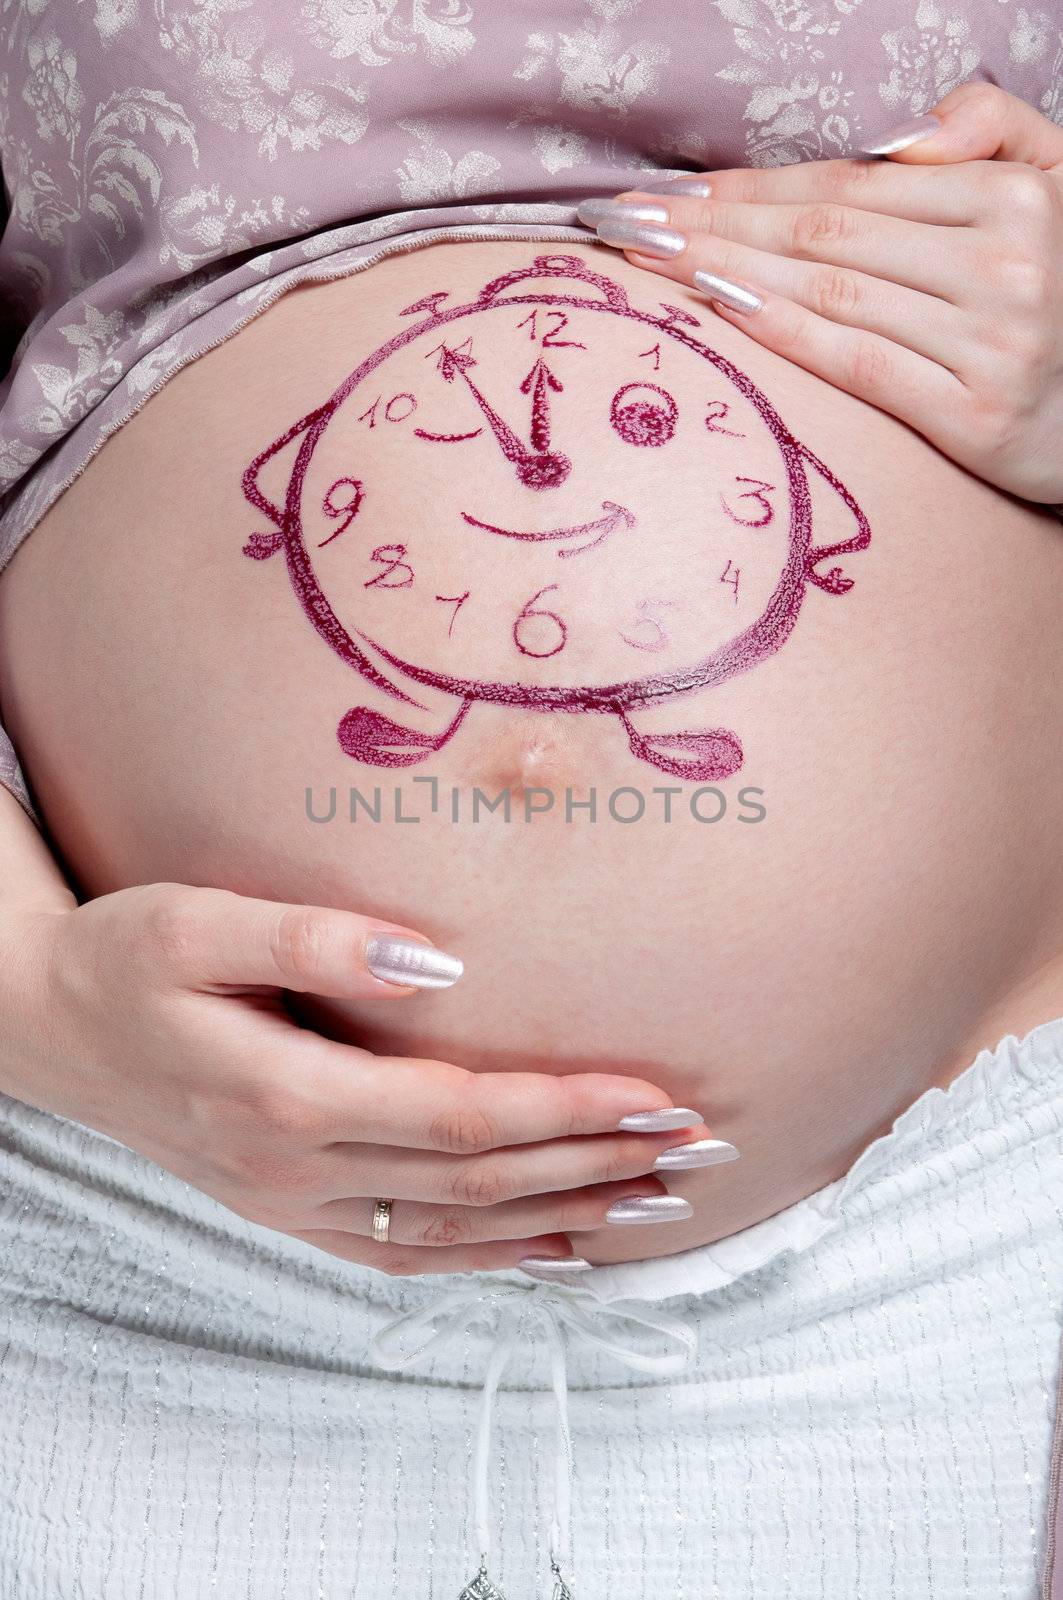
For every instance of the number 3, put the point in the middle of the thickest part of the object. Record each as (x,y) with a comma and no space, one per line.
(760,493)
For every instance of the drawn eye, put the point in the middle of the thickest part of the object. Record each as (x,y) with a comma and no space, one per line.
(643,419)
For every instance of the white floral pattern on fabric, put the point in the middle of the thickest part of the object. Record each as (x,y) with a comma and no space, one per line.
(597,67)
(929,59)
(557,147)
(110,178)
(430,172)
(68,390)
(197,222)
(244,82)
(376,31)
(1036,39)
(801,107)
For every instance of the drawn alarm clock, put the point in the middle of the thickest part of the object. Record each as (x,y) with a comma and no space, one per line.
(496,506)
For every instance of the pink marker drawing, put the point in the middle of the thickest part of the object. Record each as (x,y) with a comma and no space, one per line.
(613,517)
(520,426)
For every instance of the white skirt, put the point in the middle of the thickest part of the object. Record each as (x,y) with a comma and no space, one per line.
(195,1408)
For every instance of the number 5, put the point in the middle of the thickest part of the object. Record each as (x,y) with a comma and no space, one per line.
(645,612)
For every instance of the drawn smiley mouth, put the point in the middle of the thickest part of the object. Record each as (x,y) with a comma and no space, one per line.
(613,518)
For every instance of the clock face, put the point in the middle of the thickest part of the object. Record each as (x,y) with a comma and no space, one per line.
(547,497)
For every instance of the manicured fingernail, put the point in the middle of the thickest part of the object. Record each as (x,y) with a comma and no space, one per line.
(552,1266)
(695,187)
(411,963)
(659,1121)
(650,1208)
(591,212)
(699,1153)
(902,136)
(648,240)
(727,293)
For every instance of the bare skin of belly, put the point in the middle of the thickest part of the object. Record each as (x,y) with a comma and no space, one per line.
(555,540)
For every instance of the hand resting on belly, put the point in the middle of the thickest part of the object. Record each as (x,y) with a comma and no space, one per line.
(806,672)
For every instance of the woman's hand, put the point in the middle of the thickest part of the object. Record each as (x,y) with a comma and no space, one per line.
(929,284)
(156,1015)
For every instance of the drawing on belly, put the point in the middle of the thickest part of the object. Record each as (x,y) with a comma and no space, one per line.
(613,517)
(644,421)
(424,544)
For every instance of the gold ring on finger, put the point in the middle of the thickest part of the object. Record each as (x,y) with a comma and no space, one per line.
(381,1221)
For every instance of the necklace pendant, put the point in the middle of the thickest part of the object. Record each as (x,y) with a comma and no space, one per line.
(481,1587)
(561,1588)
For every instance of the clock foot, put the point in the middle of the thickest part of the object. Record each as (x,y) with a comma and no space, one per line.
(700,757)
(368,736)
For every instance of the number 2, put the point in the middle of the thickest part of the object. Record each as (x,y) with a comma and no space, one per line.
(718,409)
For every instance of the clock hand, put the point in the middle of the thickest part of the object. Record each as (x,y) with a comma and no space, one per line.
(540,470)
(543,379)
(615,517)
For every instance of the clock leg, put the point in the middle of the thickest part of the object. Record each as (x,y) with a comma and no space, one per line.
(700,756)
(368,736)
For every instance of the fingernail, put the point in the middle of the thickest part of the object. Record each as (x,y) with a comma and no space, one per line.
(650,241)
(727,293)
(699,1153)
(902,136)
(659,1121)
(591,212)
(411,963)
(552,1266)
(695,187)
(650,1208)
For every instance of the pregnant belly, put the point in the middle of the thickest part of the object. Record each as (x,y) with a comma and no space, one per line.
(710,716)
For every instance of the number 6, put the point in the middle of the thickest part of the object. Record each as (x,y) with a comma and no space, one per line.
(528,613)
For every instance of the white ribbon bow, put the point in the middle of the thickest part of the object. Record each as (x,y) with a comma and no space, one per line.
(396,1346)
